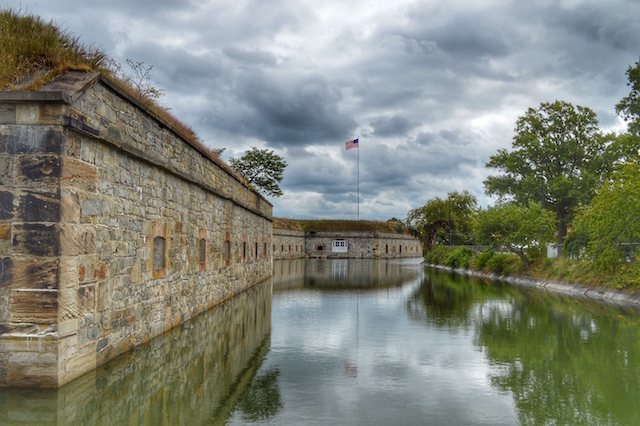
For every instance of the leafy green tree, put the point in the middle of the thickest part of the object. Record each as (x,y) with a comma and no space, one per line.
(561,145)
(516,227)
(629,107)
(612,218)
(262,168)
(433,217)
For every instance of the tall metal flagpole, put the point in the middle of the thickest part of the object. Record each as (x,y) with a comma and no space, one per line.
(358,203)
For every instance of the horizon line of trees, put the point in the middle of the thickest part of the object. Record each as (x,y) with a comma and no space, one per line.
(562,173)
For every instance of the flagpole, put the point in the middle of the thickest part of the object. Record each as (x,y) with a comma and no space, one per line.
(358,201)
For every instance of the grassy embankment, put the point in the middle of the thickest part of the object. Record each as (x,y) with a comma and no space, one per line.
(575,271)
(34,52)
(388,226)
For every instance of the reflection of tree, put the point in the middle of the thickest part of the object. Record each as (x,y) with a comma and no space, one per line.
(447,300)
(563,362)
(262,399)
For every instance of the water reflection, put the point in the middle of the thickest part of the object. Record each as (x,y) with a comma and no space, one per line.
(564,361)
(195,374)
(367,342)
(340,274)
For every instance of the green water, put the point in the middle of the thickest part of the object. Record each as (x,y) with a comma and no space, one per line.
(367,343)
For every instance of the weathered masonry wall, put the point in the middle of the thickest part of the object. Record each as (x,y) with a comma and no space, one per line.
(113,229)
(289,244)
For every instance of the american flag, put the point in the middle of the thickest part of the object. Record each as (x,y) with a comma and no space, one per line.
(352,144)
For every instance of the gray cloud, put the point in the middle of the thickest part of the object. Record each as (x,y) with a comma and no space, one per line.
(431,89)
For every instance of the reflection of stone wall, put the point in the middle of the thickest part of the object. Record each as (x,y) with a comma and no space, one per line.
(343,273)
(104,214)
(288,273)
(288,244)
(177,378)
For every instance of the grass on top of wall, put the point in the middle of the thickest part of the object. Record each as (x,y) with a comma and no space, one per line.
(33,52)
(314,225)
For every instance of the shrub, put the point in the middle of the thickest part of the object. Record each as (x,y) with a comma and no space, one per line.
(437,255)
(503,264)
(459,258)
(482,259)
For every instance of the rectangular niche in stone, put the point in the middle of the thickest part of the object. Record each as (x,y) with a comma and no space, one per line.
(158,253)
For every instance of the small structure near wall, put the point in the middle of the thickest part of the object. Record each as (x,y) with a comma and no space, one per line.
(343,239)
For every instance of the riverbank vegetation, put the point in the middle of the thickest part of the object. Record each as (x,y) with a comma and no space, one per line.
(564,180)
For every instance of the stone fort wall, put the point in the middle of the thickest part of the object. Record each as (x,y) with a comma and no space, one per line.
(113,229)
(292,244)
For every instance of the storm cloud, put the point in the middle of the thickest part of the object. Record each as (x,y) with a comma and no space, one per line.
(431,89)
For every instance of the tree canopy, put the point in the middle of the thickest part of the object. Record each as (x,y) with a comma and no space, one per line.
(561,145)
(262,168)
(629,107)
(516,227)
(612,218)
(433,218)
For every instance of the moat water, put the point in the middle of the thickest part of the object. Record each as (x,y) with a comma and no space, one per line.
(363,342)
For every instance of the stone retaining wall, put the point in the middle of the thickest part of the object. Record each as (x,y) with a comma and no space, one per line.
(113,229)
(290,244)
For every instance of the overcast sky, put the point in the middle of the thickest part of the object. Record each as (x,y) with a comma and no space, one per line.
(431,88)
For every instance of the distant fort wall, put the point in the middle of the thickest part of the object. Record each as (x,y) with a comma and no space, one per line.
(114,228)
(294,244)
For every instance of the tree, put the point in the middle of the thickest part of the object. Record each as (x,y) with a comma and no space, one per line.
(262,168)
(629,107)
(557,149)
(433,217)
(612,218)
(516,227)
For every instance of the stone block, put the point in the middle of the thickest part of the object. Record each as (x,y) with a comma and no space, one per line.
(69,205)
(36,306)
(92,208)
(78,174)
(30,273)
(5,232)
(35,239)
(77,239)
(37,207)
(68,304)
(68,327)
(38,169)
(87,299)
(6,205)
(68,272)
(30,140)
(8,113)
(6,170)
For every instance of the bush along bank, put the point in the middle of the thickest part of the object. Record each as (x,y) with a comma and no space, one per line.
(563,275)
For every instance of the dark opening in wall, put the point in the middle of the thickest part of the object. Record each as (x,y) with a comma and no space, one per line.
(227,250)
(244,250)
(319,247)
(400,249)
(256,252)
(265,249)
(158,253)
(386,248)
(202,251)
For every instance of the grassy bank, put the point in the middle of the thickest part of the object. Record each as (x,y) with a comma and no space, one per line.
(575,271)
